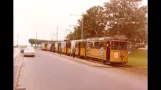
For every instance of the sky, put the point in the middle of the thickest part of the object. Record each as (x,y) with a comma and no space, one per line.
(44,16)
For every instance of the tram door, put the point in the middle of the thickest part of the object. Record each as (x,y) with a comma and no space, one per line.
(58,47)
(108,51)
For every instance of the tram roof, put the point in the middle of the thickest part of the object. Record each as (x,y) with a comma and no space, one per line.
(109,38)
(81,40)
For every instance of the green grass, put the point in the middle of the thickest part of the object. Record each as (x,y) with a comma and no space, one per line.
(138,58)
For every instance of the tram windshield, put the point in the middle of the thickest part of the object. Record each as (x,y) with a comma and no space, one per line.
(119,45)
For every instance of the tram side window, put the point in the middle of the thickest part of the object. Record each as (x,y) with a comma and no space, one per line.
(115,46)
(96,45)
(123,45)
(82,45)
(68,45)
(112,45)
(119,46)
(63,45)
(101,44)
(89,45)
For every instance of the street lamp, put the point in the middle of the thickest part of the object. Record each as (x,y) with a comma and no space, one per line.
(52,36)
(72,25)
(67,30)
(36,38)
(82,24)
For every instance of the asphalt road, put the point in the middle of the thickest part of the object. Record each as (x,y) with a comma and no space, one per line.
(50,72)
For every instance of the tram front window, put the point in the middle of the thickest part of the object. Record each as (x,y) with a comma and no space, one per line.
(119,45)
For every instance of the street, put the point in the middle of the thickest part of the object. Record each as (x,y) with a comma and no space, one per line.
(47,71)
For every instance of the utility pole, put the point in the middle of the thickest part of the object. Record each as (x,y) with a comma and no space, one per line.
(36,39)
(52,37)
(82,29)
(57,34)
(17,39)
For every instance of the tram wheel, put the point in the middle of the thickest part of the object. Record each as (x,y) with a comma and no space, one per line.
(104,62)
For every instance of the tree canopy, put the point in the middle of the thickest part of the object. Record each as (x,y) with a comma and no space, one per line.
(38,41)
(125,17)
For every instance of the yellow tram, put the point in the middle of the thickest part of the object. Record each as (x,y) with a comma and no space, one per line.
(44,46)
(48,47)
(80,46)
(68,47)
(57,45)
(97,49)
(52,45)
(63,46)
(105,49)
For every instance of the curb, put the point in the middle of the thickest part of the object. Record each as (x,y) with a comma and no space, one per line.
(74,59)
(18,74)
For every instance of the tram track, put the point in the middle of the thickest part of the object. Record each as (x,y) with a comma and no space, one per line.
(133,69)
(125,67)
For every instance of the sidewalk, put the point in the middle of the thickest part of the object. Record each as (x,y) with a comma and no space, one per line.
(17,64)
(93,64)
(16,52)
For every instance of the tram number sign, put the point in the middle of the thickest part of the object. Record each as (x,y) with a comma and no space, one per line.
(116,55)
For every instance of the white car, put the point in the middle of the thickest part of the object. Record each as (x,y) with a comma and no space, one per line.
(29,51)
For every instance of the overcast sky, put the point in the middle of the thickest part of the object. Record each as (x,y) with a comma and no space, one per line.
(43,17)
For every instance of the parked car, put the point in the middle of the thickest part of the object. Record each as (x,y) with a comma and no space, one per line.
(22,50)
(29,51)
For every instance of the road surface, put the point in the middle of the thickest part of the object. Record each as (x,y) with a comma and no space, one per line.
(50,72)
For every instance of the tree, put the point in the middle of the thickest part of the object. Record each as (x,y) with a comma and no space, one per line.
(37,41)
(31,41)
(126,17)
(77,33)
(93,24)
(70,36)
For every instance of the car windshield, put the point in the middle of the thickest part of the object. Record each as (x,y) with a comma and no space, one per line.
(29,48)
